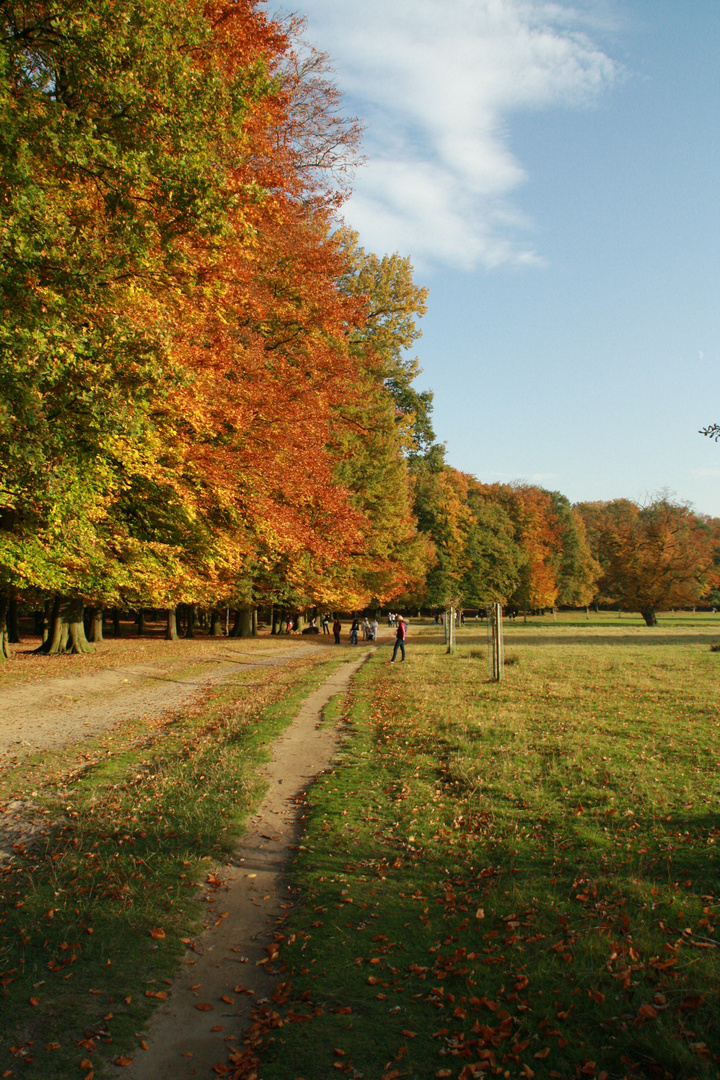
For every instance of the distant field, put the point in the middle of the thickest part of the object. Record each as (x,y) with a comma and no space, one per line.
(514,880)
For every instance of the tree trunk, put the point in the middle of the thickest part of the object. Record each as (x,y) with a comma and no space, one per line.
(216,623)
(67,629)
(140,622)
(46,620)
(95,623)
(243,623)
(116,622)
(273,620)
(299,622)
(4,643)
(190,627)
(649,616)
(171,634)
(13,622)
(254,622)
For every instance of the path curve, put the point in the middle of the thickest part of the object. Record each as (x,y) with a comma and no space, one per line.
(182,1044)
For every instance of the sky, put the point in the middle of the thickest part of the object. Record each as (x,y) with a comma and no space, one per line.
(552,169)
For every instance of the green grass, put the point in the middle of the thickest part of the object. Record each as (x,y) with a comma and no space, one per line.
(140,817)
(512,880)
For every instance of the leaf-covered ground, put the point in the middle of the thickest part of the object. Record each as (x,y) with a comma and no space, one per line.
(94,920)
(517,880)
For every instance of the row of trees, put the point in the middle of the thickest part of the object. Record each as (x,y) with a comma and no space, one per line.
(533,550)
(206,394)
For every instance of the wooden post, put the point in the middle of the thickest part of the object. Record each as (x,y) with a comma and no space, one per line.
(496,645)
(450,629)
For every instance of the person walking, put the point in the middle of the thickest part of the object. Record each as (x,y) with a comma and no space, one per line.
(399,639)
(337,627)
(326,622)
(354,631)
(374,629)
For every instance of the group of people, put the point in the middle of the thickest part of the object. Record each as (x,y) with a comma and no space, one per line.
(369,631)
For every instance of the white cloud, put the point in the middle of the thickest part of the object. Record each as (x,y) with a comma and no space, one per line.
(435,81)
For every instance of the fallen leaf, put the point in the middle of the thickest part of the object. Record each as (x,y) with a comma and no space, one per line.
(160,994)
(124,1060)
(86,1064)
(158,932)
(205,1006)
(218,1027)
(647,1012)
(228,1000)
(541,1054)
(52,1046)
(34,1001)
(410,1034)
(144,1045)
(339,1053)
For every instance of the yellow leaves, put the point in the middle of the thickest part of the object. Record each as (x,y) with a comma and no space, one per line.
(158,933)
(124,1060)
(159,994)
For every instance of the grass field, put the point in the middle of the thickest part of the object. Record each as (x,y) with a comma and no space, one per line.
(513,880)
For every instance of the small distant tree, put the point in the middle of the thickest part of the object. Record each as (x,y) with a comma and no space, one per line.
(653,557)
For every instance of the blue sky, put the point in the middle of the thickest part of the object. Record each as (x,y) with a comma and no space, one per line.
(553,171)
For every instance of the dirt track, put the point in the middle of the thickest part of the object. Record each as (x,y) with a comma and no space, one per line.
(228,969)
(58,711)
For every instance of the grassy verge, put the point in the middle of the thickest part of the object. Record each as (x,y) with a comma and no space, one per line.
(516,880)
(94,923)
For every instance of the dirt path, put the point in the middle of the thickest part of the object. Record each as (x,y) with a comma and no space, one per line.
(228,971)
(55,712)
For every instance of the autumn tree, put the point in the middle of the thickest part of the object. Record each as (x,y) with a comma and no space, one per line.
(653,557)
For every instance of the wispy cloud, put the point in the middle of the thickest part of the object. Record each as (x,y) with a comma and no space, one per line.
(436,83)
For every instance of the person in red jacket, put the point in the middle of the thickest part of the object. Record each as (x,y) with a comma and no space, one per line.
(337,627)
(399,639)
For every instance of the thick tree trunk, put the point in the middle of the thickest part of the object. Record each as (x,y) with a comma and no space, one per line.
(254,622)
(243,623)
(171,633)
(216,623)
(299,622)
(13,622)
(94,624)
(649,616)
(190,625)
(116,622)
(140,622)
(67,629)
(273,620)
(4,643)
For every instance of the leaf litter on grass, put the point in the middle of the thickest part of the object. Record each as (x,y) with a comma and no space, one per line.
(95,919)
(524,876)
